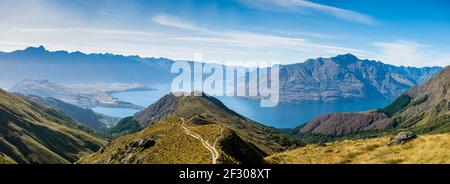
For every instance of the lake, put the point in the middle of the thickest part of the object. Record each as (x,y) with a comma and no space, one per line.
(282,116)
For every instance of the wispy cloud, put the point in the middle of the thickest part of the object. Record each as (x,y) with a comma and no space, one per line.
(217,46)
(122,32)
(410,53)
(302,6)
(173,21)
(251,40)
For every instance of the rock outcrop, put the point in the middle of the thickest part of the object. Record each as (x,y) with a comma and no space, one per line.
(402,138)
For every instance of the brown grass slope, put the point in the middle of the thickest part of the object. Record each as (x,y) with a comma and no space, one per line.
(427,149)
(172,145)
(237,139)
(34,133)
(346,123)
(206,109)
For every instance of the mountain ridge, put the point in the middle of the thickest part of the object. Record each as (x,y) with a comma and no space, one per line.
(85,116)
(345,77)
(423,109)
(31,132)
(339,78)
(192,129)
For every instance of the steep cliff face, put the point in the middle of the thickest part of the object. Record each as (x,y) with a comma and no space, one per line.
(346,77)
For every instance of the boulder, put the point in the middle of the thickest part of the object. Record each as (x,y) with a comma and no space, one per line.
(136,142)
(141,143)
(148,143)
(101,150)
(402,138)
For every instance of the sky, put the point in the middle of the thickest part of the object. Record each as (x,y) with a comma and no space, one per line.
(400,32)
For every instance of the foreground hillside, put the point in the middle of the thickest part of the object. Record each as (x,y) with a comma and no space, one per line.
(31,132)
(175,141)
(191,129)
(426,149)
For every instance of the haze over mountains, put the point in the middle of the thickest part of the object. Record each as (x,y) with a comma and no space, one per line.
(76,67)
(80,95)
(340,78)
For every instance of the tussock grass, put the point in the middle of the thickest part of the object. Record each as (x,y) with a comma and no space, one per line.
(426,149)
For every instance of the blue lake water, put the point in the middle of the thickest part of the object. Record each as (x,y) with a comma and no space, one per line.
(282,116)
(292,115)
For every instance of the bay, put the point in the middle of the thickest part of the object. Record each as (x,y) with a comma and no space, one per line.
(284,115)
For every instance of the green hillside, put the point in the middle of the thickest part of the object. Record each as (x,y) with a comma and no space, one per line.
(31,132)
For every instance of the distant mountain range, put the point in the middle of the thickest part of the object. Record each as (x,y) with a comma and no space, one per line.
(76,67)
(339,78)
(345,77)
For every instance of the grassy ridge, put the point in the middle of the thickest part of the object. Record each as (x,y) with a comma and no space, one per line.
(174,146)
(4,159)
(34,133)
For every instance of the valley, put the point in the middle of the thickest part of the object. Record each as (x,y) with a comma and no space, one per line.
(31,132)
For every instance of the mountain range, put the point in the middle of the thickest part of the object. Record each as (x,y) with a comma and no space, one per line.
(340,78)
(75,67)
(201,129)
(365,137)
(422,109)
(345,77)
(177,127)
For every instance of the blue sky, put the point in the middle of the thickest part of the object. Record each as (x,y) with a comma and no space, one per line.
(400,32)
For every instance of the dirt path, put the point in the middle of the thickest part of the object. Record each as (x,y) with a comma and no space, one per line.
(211,148)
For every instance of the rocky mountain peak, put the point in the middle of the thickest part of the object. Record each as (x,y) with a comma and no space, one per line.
(345,57)
(35,50)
